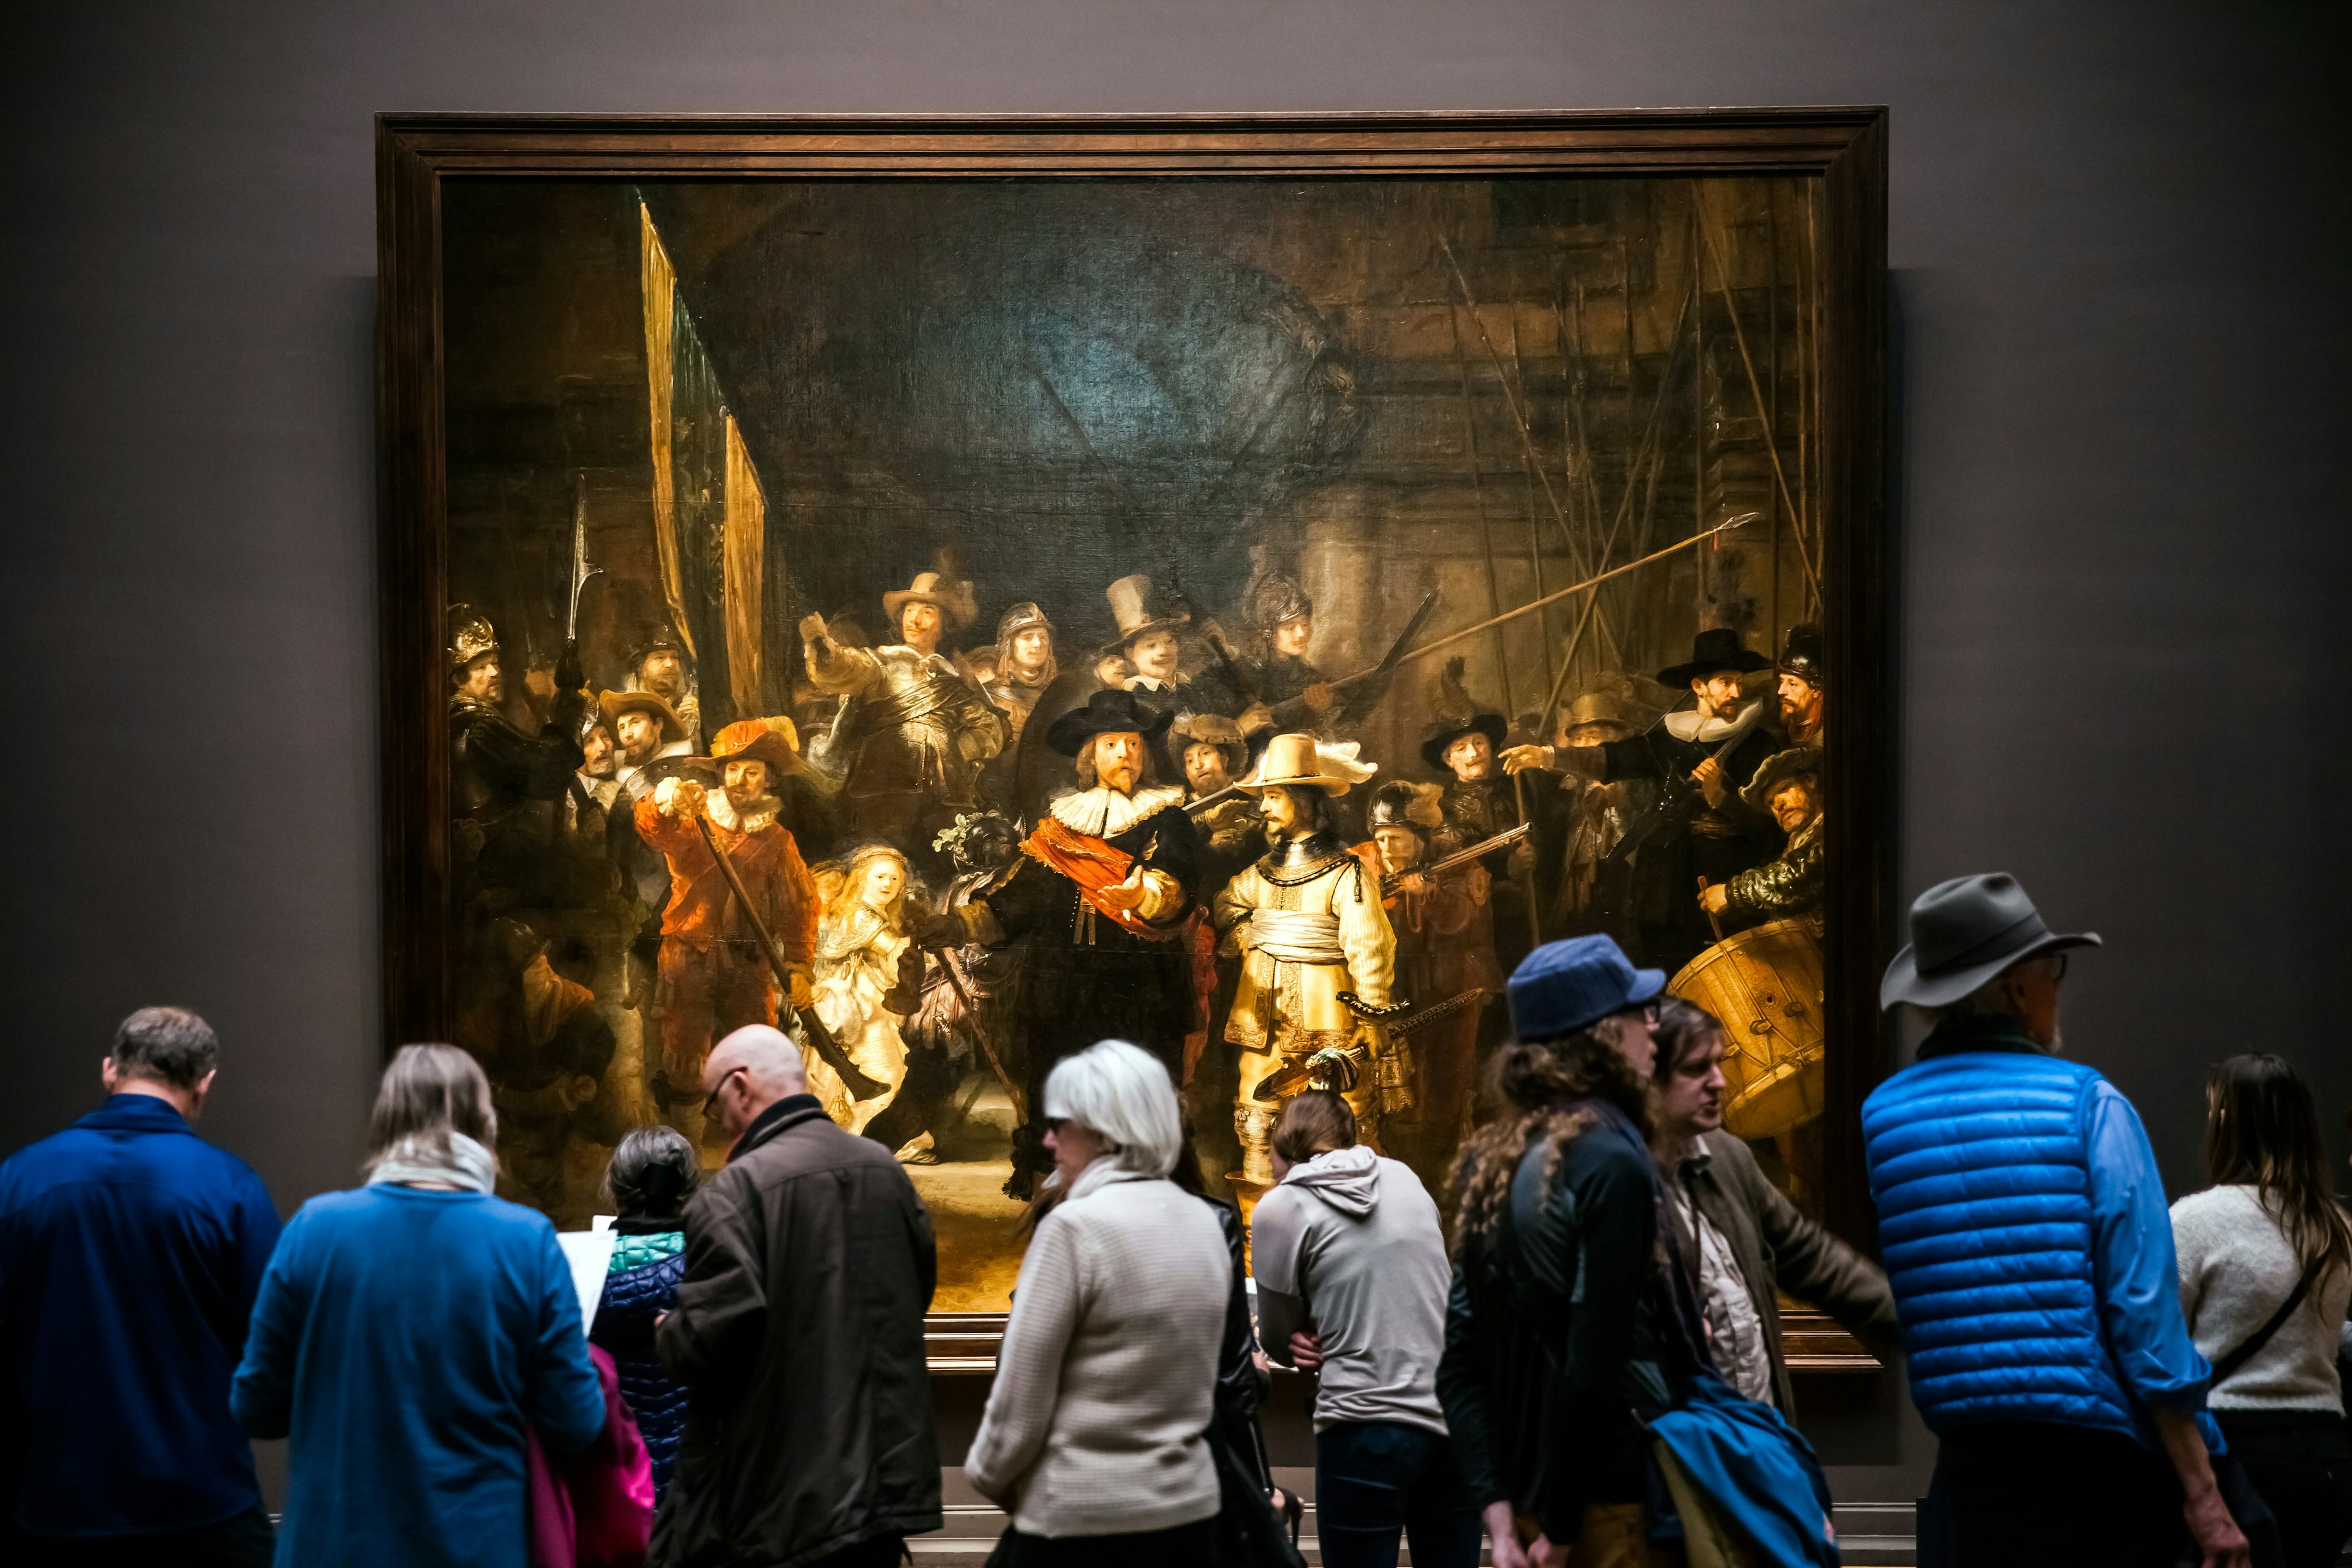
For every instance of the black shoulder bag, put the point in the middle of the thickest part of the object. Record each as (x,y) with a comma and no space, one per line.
(2251,1346)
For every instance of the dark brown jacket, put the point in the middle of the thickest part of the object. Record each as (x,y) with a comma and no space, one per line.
(799,1335)
(1779,1249)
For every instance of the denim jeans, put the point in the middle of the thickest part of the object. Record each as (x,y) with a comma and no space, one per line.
(1376,1482)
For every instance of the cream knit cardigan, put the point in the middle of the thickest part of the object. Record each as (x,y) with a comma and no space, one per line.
(2235,1270)
(1104,1384)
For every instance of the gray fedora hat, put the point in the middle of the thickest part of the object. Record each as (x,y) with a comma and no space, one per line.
(1964,933)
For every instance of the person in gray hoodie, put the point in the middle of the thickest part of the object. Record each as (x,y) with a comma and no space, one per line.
(1349,1259)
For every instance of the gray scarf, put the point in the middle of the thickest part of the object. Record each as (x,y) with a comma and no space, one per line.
(462,1163)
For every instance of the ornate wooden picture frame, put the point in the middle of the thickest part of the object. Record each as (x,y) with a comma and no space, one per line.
(769,438)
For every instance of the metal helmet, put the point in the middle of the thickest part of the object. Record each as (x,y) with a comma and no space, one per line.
(470,636)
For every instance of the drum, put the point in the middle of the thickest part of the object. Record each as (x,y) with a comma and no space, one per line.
(1766,985)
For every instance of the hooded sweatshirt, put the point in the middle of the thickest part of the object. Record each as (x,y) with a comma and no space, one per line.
(1349,1245)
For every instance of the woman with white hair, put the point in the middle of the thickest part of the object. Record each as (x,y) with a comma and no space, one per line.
(407,1336)
(1094,1435)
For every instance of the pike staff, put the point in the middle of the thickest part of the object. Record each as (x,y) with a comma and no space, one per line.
(828,1049)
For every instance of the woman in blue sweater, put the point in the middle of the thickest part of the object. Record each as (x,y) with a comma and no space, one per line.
(406,1336)
(653,1173)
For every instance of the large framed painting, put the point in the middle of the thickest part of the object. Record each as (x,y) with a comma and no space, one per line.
(956,590)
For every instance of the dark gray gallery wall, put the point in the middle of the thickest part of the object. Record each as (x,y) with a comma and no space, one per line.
(2120,329)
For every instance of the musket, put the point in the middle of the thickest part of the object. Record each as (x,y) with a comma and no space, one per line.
(1210,799)
(1477,851)
(1450,638)
(580,570)
(828,1049)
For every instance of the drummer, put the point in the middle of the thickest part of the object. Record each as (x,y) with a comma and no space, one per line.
(1787,787)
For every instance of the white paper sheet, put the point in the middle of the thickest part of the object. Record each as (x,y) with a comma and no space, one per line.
(589,1253)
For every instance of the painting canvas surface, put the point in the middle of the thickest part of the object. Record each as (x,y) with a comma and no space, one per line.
(877,514)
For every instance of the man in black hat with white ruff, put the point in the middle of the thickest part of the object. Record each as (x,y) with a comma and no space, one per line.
(1703,756)
(1101,896)
(2031,1260)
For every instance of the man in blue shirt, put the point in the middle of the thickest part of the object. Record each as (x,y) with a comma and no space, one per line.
(2026,1239)
(130,1253)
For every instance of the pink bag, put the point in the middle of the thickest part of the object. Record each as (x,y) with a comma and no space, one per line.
(593,1509)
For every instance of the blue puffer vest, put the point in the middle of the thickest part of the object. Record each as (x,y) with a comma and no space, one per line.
(642,1285)
(1979,1166)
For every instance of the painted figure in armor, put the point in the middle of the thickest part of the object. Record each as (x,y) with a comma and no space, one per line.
(1788,787)
(1445,929)
(1297,697)
(1102,898)
(1025,667)
(662,666)
(714,975)
(858,996)
(1308,924)
(494,766)
(910,732)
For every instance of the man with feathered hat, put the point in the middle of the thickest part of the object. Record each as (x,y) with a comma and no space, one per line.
(911,734)
(1317,956)
(714,972)
(1102,898)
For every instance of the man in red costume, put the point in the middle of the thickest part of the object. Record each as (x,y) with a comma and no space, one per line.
(714,975)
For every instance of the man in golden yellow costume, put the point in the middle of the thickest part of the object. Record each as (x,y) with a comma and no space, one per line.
(1318,959)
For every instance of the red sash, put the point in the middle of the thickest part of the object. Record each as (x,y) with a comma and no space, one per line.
(1094,865)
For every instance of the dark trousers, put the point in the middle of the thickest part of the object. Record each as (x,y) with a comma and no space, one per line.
(1179,1546)
(244,1542)
(1378,1481)
(2040,1495)
(2300,1462)
(881,1551)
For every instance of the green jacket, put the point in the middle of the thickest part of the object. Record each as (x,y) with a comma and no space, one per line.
(1779,1249)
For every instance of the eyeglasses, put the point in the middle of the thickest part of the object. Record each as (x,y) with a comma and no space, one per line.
(2057,967)
(712,1098)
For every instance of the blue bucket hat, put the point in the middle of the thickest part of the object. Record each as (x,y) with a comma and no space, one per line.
(1564,986)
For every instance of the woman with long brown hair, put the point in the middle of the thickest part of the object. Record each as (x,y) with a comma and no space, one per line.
(2265,1277)
(1559,1307)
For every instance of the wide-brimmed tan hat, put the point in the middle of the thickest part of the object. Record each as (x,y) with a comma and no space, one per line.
(953,600)
(615,703)
(1297,761)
